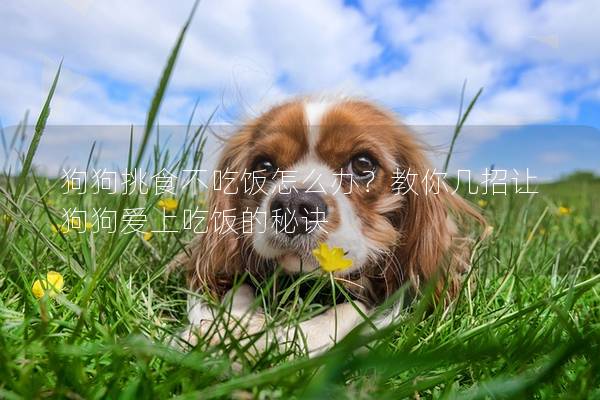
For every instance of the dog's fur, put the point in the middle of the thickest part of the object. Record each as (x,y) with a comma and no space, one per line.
(394,235)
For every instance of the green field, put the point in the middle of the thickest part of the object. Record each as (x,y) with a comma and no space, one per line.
(530,328)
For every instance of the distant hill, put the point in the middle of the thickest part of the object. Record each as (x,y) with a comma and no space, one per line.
(580,176)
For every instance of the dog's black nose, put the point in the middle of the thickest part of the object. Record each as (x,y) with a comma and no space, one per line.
(298,211)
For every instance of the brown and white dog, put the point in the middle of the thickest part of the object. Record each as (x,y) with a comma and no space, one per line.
(342,159)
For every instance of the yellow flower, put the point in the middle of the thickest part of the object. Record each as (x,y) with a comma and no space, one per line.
(148,235)
(530,236)
(168,204)
(6,218)
(482,203)
(56,228)
(70,184)
(540,231)
(562,210)
(51,286)
(331,259)
(76,224)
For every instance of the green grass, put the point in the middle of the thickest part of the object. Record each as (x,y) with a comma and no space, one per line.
(530,329)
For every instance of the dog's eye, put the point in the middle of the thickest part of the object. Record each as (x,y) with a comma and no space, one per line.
(264,167)
(362,167)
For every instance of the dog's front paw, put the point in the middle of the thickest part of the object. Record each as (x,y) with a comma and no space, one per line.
(235,321)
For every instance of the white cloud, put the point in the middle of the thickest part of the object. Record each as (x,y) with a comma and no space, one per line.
(243,55)
(234,48)
(555,157)
(542,50)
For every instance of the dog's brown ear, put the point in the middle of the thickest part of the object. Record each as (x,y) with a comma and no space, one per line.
(434,248)
(214,259)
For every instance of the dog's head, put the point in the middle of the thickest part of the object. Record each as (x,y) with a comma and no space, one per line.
(345,173)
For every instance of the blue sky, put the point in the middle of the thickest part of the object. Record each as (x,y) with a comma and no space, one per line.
(538,61)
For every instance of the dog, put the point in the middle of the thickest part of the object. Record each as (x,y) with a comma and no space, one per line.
(343,172)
